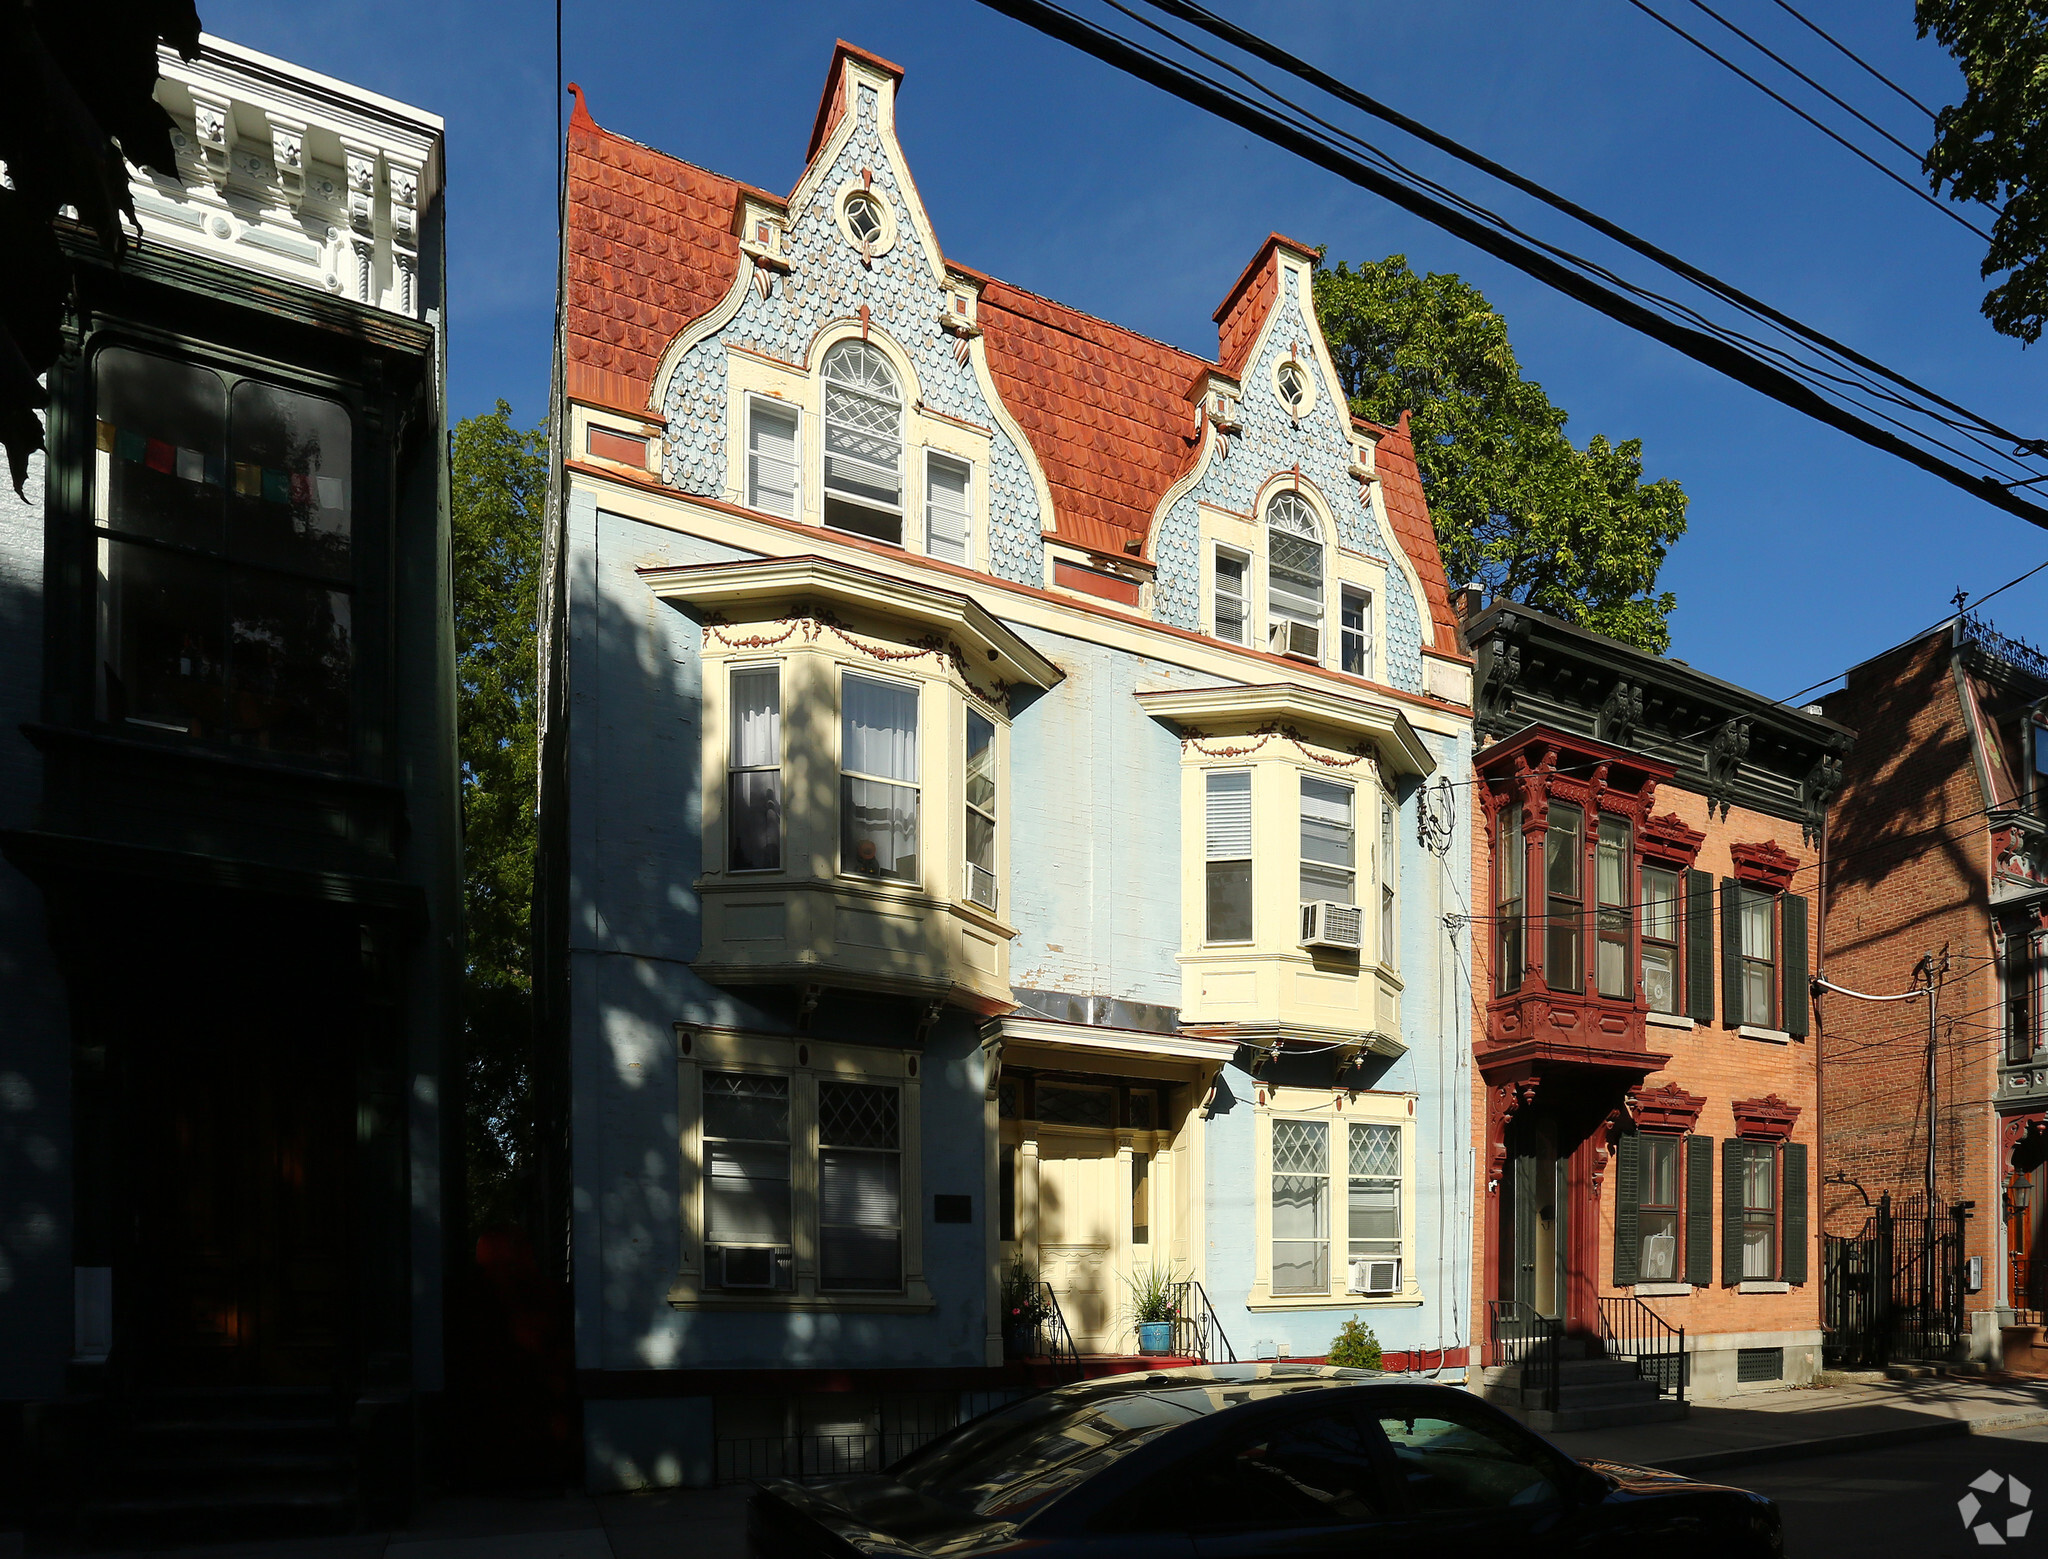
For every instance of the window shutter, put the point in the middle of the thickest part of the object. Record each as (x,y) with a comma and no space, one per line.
(1230,817)
(1792,931)
(1734,1154)
(1628,1202)
(1793,1229)
(1699,1210)
(1731,951)
(1699,946)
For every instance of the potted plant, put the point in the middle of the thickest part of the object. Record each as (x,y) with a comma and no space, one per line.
(1155,1295)
(1024,1310)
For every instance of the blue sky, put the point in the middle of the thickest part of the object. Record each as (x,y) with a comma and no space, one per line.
(1807,551)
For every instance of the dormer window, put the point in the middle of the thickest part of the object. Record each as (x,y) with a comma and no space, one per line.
(1293,388)
(863,443)
(1294,559)
(864,220)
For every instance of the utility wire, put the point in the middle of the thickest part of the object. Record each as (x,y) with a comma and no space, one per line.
(1905,184)
(1147,65)
(1836,43)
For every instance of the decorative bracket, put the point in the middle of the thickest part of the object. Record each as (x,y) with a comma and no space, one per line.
(1724,762)
(1621,714)
(213,126)
(288,152)
(928,1020)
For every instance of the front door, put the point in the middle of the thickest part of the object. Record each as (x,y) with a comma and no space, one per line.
(1534,1213)
(1078,1207)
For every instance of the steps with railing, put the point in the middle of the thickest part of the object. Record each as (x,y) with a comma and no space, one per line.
(1557,1381)
(1196,1331)
(1631,1330)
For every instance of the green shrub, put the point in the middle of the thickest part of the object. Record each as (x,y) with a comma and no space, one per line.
(1355,1347)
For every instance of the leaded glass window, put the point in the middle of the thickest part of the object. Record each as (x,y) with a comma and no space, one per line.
(1301,1207)
(863,443)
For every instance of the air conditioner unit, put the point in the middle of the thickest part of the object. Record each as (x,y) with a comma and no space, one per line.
(1301,640)
(745,1266)
(1376,1275)
(1327,924)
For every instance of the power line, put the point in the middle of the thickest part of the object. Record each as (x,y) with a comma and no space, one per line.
(1915,190)
(1830,39)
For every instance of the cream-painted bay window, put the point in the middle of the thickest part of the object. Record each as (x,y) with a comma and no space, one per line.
(878,777)
(754,771)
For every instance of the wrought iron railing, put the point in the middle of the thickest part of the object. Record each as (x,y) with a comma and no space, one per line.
(814,1455)
(1521,1339)
(1196,1332)
(1055,1341)
(1630,1329)
(2014,651)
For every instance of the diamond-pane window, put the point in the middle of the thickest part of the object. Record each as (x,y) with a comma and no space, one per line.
(1376,1150)
(863,443)
(1300,1148)
(857,1115)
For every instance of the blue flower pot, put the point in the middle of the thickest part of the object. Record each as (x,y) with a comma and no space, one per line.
(1155,1337)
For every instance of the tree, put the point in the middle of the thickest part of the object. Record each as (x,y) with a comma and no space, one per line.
(1519,509)
(1990,147)
(498,482)
(78,78)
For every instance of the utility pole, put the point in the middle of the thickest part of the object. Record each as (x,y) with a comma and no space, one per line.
(1926,968)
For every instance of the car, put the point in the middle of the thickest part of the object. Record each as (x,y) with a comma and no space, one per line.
(1240,1460)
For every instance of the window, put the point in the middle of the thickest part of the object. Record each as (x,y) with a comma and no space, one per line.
(1375,1201)
(1610,888)
(754,807)
(772,457)
(878,782)
(1759,962)
(2019,996)
(1511,865)
(1229,856)
(945,508)
(1662,979)
(1327,848)
(1141,1198)
(223,513)
(981,810)
(1301,1207)
(864,221)
(1657,1221)
(860,1200)
(1355,627)
(1292,381)
(1233,613)
(1387,943)
(1563,856)
(1294,571)
(1006,1194)
(1759,1210)
(863,443)
(746,1185)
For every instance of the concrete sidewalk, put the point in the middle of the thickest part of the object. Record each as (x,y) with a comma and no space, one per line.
(1784,1425)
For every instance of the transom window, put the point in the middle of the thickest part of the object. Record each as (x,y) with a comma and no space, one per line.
(863,443)
(1294,566)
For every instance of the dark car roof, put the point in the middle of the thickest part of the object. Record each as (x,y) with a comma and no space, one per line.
(1276,1378)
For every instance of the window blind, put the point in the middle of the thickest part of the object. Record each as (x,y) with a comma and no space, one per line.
(945,508)
(772,460)
(1230,816)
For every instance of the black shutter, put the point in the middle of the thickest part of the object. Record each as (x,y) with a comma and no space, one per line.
(1734,1154)
(1699,1210)
(1699,946)
(1793,931)
(1794,1230)
(1731,951)
(1628,1206)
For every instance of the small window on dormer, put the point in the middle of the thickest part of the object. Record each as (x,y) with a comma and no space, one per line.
(864,220)
(1293,388)
(772,463)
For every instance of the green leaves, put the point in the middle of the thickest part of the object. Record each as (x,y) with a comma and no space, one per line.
(1991,146)
(1519,509)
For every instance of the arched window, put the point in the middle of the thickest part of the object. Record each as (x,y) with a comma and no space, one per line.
(863,443)
(1294,571)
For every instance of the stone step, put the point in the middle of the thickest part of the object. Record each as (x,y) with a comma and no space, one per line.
(1610,1417)
(1612,1394)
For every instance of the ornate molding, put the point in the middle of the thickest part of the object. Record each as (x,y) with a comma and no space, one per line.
(1669,1108)
(1766,865)
(2017,1130)
(1724,763)
(1768,1119)
(1620,714)
(1504,1102)
(1668,841)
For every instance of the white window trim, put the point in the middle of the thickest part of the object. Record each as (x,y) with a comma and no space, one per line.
(1252,857)
(1369,1109)
(755,873)
(924,532)
(1246,600)
(1351,587)
(776,403)
(804,1063)
(841,670)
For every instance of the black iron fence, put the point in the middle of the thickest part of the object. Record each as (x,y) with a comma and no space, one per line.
(1630,1329)
(1896,1289)
(1196,1332)
(1521,1339)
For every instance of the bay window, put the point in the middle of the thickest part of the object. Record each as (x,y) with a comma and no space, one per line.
(1301,1207)
(1328,846)
(1229,856)
(1662,979)
(981,810)
(1510,867)
(1563,874)
(878,782)
(1610,891)
(754,771)
(1387,872)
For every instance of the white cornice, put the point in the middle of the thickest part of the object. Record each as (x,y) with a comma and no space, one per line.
(1386,727)
(1129,1042)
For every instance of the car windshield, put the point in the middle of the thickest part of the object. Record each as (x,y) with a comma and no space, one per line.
(1008,1465)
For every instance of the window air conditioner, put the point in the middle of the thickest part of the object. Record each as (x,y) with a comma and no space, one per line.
(743,1266)
(1301,640)
(1376,1275)
(1327,924)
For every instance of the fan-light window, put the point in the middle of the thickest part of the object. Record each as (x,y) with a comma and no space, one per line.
(863,443)
(1294,568)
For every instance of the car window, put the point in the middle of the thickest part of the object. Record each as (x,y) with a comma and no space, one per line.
(1313,1468)
(1451,1459)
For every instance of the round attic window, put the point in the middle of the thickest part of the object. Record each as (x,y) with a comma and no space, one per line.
(865,220)
(1295,386)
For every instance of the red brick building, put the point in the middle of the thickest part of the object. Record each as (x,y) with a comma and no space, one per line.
(1936,853)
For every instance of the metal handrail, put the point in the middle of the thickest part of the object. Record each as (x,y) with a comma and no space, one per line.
(1531,1342)
(1196,1331)
(1053,1332)
(1630,1329)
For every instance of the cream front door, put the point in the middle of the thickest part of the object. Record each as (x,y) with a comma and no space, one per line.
(1078,1208)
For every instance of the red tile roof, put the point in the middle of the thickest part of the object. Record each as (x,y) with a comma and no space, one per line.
(1110,414)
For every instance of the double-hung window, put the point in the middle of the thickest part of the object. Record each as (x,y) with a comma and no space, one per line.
(747,1181)
(860,1185)
(2019,996)
(1759,1210)
(878,780)
(1328,842)
(1229,852)
(773,457)
(981,810)
(1563,872)
(1375,1206)
(945,507)
(1759,956)
(863,443)
(1662,980)
(1610,889)
(1387,874)
(1294,577)
(1510,867)
(754,780)
(1232,608)
(1301,1207)
(1657,1217)
(1355,631)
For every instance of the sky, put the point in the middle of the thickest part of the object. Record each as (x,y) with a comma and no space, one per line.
(1807,551)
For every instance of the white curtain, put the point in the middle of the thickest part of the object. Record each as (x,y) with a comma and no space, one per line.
(878,729)
(757,718)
